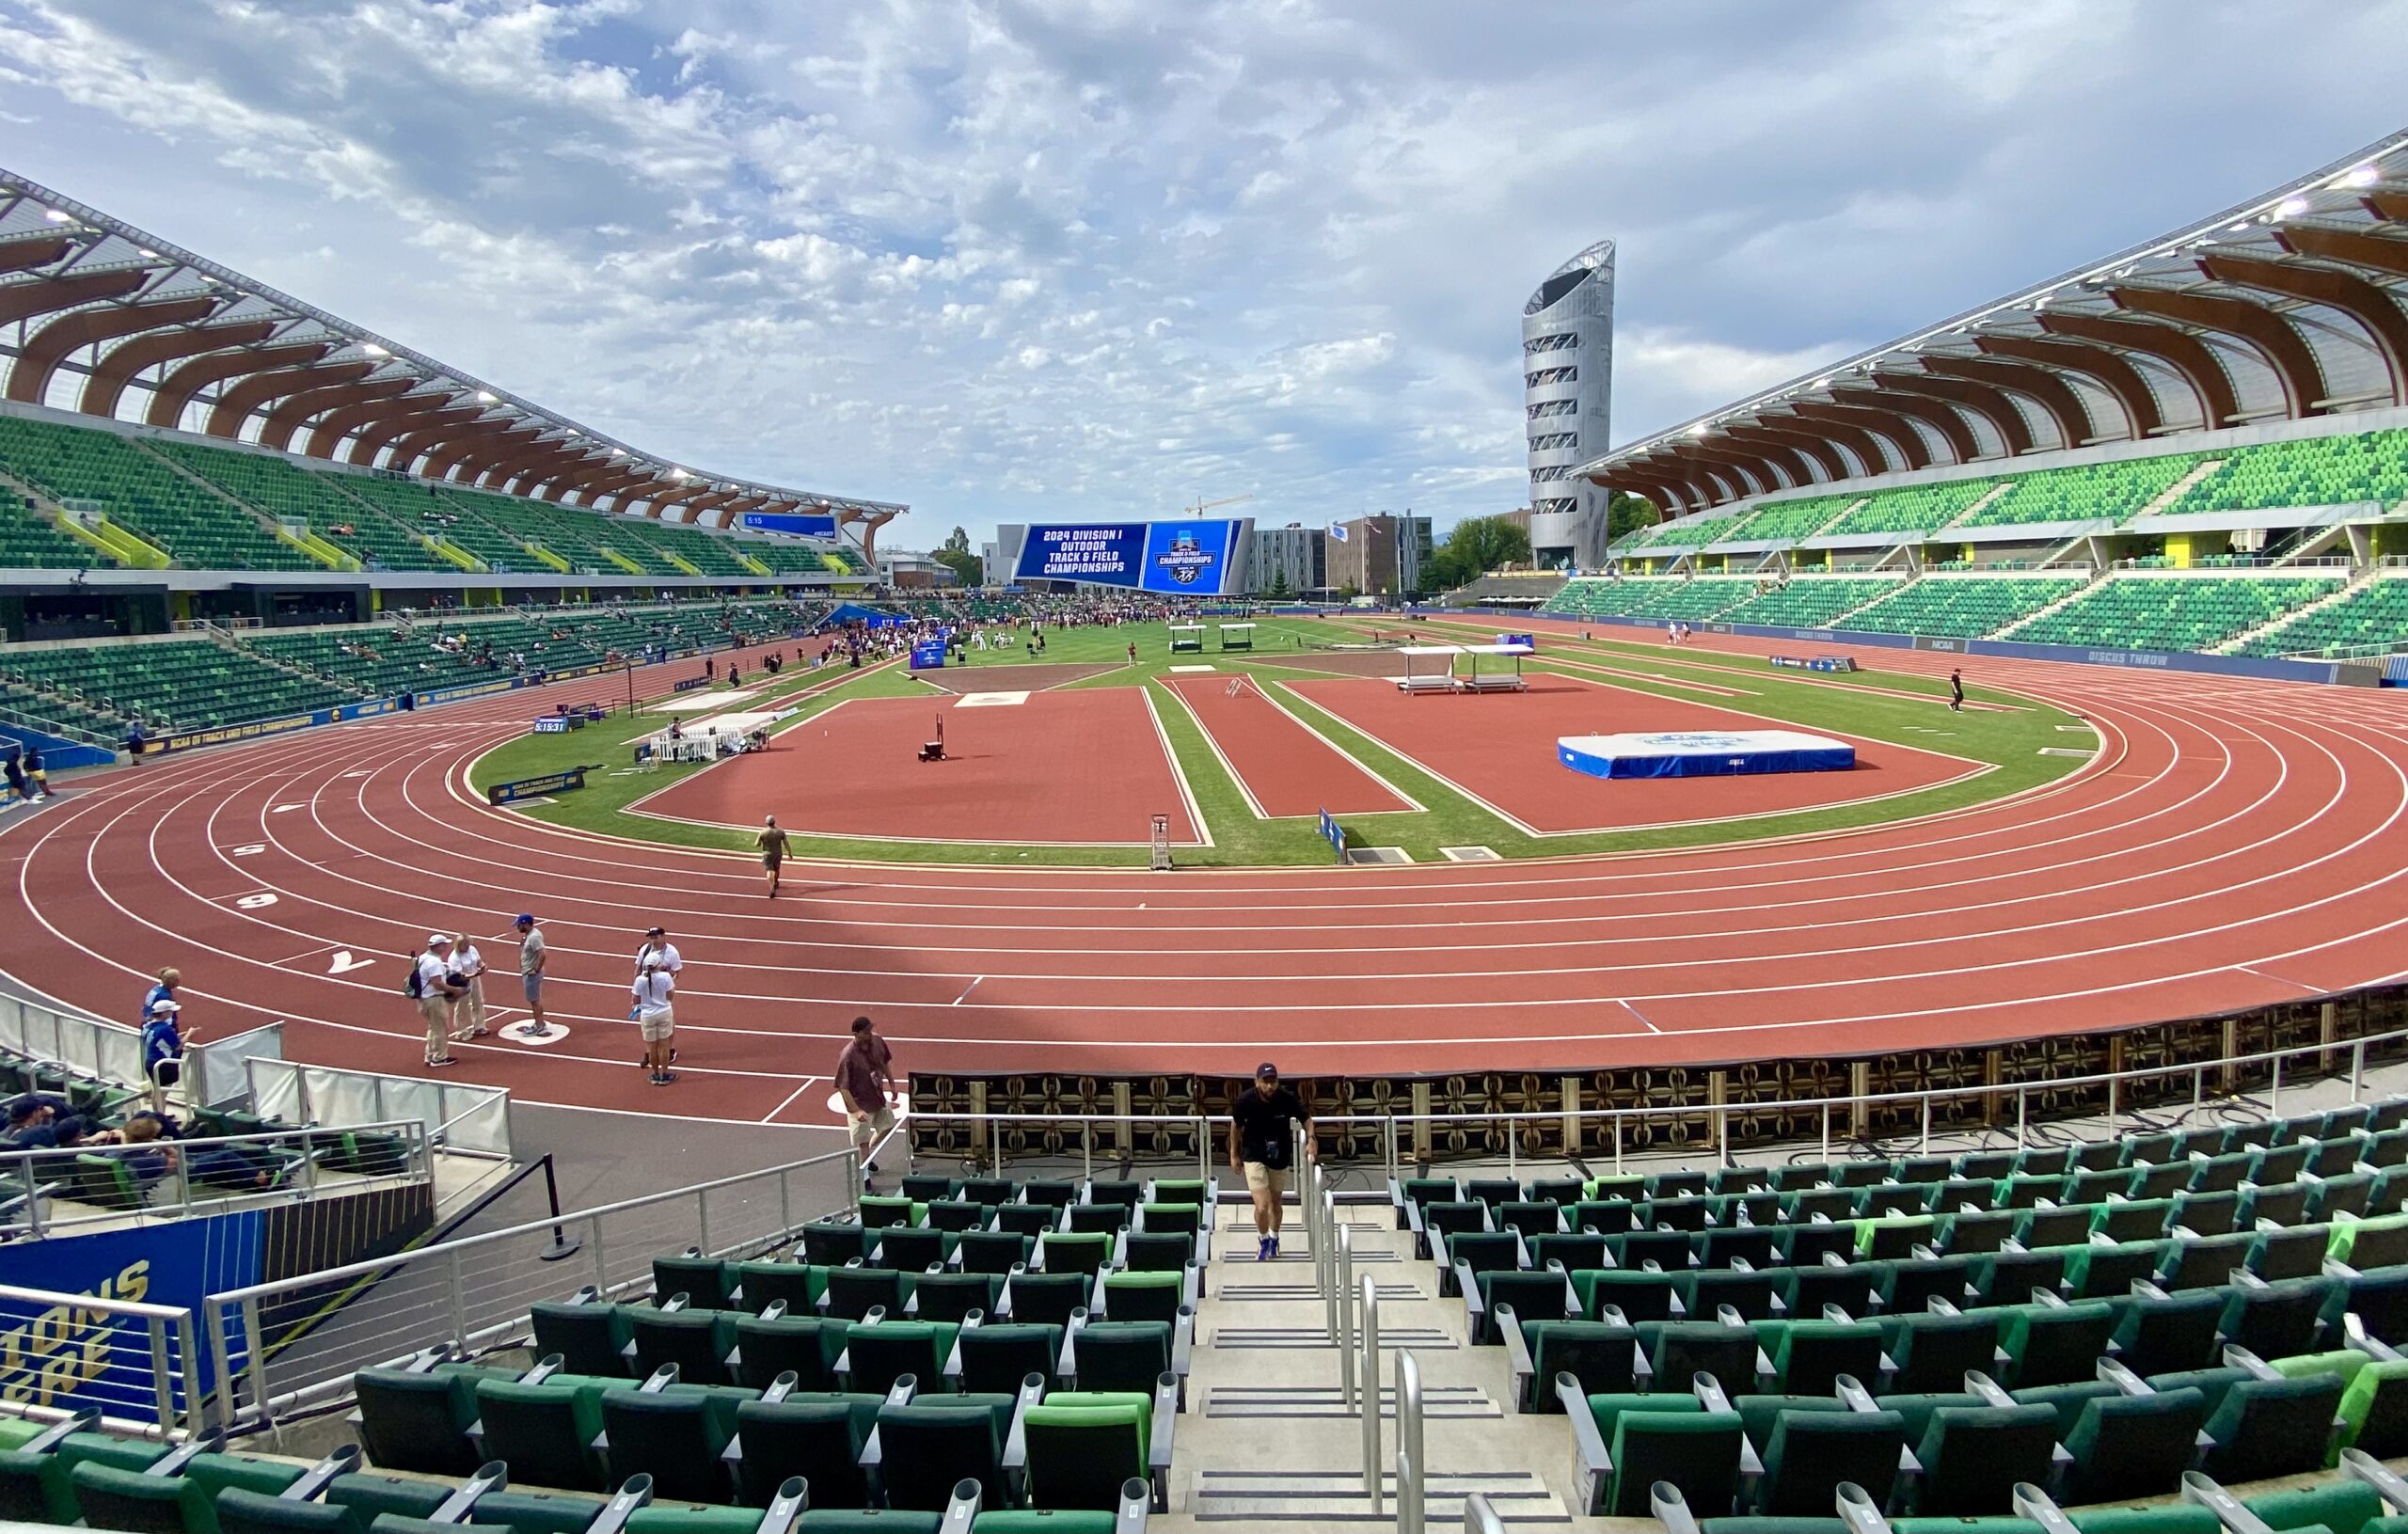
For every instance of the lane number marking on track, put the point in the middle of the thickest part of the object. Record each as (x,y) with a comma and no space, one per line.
(343,963)
(282,808)
(259,901)
(250,849)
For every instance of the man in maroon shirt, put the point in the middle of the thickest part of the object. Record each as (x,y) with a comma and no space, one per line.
(865,1074)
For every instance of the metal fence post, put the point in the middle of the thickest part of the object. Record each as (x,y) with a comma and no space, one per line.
(1410,1470)
(191,1373)
(2357,1068)
(459,1303)
(163,1379)
(1343,1313)
(1372,1469)
(2275,1095)
(703,1220)
(254,1362)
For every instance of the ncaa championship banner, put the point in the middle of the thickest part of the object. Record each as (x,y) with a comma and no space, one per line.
(1176,559)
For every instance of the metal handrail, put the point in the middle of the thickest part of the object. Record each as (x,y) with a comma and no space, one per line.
(48,1171)
(1373,1468)
(173,1372)
(1411,1469)
(1479,1518)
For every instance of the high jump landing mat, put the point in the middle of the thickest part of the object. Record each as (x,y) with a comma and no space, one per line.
(1703,753)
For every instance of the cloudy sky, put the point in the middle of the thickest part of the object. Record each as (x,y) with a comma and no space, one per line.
(1003,259)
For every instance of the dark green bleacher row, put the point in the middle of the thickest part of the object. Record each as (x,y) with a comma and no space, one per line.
(1022,1346)
(2095,1321)
(178,684)
(201,529)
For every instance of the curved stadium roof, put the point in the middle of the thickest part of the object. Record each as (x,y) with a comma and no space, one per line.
(2283,306)
(83,295)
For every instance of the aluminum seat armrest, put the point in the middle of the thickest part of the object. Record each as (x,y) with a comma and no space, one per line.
(2123,1379)
(1136,1500)
(2034,1504)
(1158,1452)
(1987,1389)
(1517,1356)
(783,1386)
(2335,1268)
(2200,1491)
(2359,1465)
(492,1476)
(785,1508)
(2249,1363)
(2353,1331)
(1670,1508)
(314,1480)
(2243,1278)
(2050,1299)
(1591,1469)
(612,1518)
(1853,1395)
(1032,1391)
(173,1462)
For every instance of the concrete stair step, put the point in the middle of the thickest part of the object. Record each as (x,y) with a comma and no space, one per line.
(1319,1499)
(1455,1402)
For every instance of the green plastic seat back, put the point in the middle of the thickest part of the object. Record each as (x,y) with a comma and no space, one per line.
(913,1248)
(927,1446)
(543,1431)
(952,1296)
(805,1345)
(1081,1446)
(703,1281)
(697,1341)
(1049,1298)
(1172,1219)
(128,1499)
(2375,1407)
(1533,1296)
(1973,1458)
(1812,1453)
(2168,1336)
(1123,1356)
(373,1496)
(2057,1344)
(2269,1428)
(2343,1506)
(883,1353)
(992,1251)
(1602,1358)
(1814,1353)
(799,1284)
(240,1511)
(536,1512)
(1154,1251)
(587,1337)
(1697,1451)
(2278,1320)
(1143,1296)
(668,1436)
(1682,1350)
(1933,1353)
(854,1292)
(2129,1446)
(417,1421)
(997,1357)
(817,1438)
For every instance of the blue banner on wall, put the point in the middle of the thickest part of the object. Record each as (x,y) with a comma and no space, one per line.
(66,1356)
(1172,558)
(797,523)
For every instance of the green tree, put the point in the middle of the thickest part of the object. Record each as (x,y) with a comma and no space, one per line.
(954,556)
(1279,592)
(1626,513)
(1477,545)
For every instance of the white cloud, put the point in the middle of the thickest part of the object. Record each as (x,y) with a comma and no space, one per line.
(1004,257)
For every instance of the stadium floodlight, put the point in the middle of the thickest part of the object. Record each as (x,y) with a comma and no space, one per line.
(372,349)
(485,397)
(56,216)
(2290,207)
(2364,175)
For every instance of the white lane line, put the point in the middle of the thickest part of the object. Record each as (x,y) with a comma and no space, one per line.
(1178,773)
(1642,1017)
(967,989)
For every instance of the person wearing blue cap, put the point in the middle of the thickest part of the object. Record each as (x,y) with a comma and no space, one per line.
(531,974)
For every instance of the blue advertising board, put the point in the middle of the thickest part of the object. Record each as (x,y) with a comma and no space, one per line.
(72,1357)
(1172,558)
(796,523)
(928,654)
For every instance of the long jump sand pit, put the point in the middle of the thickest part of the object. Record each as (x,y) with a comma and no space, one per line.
(1499,748)
(1067,768)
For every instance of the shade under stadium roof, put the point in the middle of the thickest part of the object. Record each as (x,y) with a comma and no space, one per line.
(2283,306)
(98,317)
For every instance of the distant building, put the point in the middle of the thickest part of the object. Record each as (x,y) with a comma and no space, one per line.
(1380,555)
(914,572)
(1567,398)
(1299,553)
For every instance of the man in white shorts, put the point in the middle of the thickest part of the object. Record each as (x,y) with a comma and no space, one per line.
(652,991)
(657,949)
(531,974)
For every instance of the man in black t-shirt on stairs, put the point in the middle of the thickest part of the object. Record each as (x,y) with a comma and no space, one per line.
(1262,1143)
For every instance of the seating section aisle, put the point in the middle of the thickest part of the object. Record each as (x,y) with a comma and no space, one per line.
(276,486)
(1961,606)
(2116,491)
(1792,520)
(1812,601)
(1601,597)
(1690,532)
(200,528)
(418,509)
(2371,618)
(1920,508)
(2187,611)
(2321,472)
(2095,1319)
(1695,600)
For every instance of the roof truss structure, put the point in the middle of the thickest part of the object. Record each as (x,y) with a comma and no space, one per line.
(102,318)
(2292,304)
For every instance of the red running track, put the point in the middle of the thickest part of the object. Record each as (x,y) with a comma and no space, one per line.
(1282,767)
(2235,843)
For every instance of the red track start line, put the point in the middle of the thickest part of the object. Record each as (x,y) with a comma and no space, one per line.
(1088,769)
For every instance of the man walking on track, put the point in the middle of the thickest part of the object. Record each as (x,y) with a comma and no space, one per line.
(654,991)
(1263,1143)
(1956,693)
(865,1074)
(430,986)
(657,947)
(772,843)
(531,974)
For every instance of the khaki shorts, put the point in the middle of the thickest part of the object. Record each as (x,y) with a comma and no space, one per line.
(867,1132)
(656,1026)
(1265,1180)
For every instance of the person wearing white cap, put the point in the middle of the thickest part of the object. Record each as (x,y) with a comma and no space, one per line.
(469,1011)
(659,953)
(163,1049)
(654,991)
(430,986)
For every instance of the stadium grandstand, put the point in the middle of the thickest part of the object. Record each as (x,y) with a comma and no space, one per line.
(2199,444)
(1561,1232)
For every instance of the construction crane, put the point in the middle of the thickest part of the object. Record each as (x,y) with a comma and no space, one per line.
(1202,505)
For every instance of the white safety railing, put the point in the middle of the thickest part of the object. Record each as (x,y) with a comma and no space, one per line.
(137,1365)
(110,1052)
(459,1117)
(292,1345)
(1373,1470)
(1412,1499)
(57,1191)
(1110,1135)
(1479,1518)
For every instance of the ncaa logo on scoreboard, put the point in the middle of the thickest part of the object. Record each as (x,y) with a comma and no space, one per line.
(1186,560)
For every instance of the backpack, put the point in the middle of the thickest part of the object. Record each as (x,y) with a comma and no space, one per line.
(414,984)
